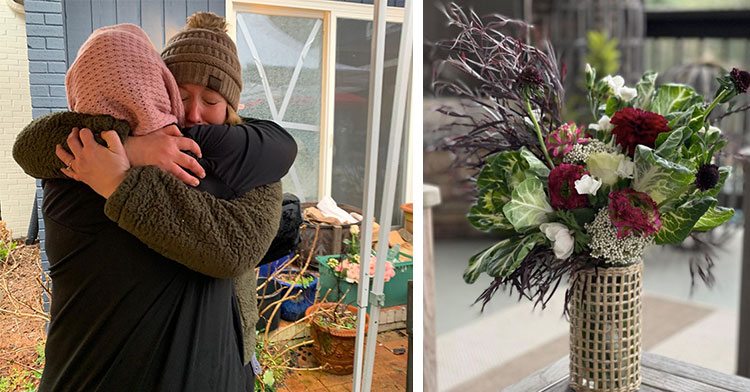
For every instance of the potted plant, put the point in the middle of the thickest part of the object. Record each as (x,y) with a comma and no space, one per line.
(581,201)
(339,274)
(333,331)
(302,293)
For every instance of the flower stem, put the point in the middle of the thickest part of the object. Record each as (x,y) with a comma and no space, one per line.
(538,132)
(714,103)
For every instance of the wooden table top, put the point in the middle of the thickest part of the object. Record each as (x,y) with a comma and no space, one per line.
(657,374)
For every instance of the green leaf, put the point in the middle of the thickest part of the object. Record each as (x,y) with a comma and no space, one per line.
(503,258)
(668,148)
(528,207)
(671,98)
(487,212)
(677,224)
(714,217)
(536,166)
(645,88)
(658,177)
(613,104)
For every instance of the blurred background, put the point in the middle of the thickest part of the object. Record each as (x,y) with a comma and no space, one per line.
(685,41)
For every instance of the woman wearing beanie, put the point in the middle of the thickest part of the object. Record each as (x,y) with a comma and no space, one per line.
(125,317)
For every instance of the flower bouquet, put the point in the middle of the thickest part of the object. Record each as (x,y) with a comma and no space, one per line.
(579,200)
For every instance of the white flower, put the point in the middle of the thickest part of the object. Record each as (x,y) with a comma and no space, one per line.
(603,124)
(628,93)
(562,240)
(617,84)
(626,168)
(588,68)
(587,185)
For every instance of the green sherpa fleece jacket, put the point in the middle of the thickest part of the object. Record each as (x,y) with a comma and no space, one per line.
(219,238)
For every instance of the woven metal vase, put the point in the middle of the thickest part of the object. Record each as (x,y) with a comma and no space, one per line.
(605,329)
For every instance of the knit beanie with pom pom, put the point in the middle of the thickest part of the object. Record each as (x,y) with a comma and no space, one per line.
(119,72)
(203,54)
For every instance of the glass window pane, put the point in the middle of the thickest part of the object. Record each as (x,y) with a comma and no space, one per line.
(281,59)
(353,39)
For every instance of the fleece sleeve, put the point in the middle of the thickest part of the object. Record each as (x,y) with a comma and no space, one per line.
(34,149)
(219,238)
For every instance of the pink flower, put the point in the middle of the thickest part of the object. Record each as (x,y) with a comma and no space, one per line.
(633,211)
(561,141)
(352,273)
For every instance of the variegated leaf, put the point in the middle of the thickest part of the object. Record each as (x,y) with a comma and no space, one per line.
(677,224)
(503,258)
(672,98)
(528,207)
(658,177)
(714,217)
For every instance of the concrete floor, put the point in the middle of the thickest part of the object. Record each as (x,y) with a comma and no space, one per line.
(511,340)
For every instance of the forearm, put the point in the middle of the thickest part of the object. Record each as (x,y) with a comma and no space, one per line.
(34,149)
(215,237)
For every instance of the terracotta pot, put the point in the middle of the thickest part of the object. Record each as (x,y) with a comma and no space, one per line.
(408,209)
(333,348)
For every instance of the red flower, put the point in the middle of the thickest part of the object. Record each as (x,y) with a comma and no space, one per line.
(633,211)
(562,190)
(635,126)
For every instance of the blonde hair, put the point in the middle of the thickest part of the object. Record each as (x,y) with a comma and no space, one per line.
(232,117)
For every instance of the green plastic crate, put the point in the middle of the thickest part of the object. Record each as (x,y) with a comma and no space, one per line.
(395,290)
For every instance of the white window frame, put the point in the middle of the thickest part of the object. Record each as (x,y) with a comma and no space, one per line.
(329,11)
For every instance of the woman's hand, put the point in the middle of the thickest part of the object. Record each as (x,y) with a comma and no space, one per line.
(101,168)
(164,148)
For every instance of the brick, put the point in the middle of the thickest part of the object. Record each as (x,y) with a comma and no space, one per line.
(53,79)
(50,102)
(57,91)
(46,54)
(40,91)
(55,43)
(53,19)
(36,19)
(36,43)
(57,67)
(42,6)
(44,31)
(39,112)
(37,67)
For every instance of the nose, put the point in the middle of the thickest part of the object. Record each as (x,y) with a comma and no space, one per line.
(192,113)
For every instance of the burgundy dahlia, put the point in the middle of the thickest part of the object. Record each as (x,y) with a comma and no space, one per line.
(741,79)
(633,211)
(562,191)
(634,126)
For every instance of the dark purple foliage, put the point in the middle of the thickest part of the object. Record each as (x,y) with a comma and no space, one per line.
(492,59)
(539,276)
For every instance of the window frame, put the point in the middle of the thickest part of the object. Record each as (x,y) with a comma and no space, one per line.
(329,11)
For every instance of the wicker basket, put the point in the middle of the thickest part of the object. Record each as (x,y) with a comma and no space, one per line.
(605,329)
